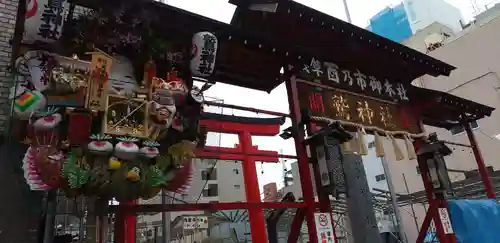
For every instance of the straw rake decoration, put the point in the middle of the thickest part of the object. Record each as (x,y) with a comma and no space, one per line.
(358,143)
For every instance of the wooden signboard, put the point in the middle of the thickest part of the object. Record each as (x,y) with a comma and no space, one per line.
(100,69)
(329,91)
(355,81)
(347,106)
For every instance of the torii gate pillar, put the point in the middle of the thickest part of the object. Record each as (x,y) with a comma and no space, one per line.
(249,155)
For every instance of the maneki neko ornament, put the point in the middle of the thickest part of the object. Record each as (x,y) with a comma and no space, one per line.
(177,87)
(162,111)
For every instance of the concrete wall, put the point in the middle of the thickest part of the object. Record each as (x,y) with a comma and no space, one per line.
(8,12)
(417,41)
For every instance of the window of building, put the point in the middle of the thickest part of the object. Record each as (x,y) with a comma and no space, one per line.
(371,144)
(237,186)
(418,170)
(380,177)
(236,171)
(212,190)
(209,174)
(460,129)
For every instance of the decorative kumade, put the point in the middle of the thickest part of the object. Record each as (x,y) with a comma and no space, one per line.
(134,152)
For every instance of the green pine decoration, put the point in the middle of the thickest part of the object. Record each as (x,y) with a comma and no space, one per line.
(74,174)
(181,151)
(154,176)
(164,161)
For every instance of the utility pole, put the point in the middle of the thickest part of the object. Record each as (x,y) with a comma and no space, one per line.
(165,218)
(347,13)
(392,193)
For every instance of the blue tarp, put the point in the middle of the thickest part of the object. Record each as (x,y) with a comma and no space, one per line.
(431,237)
(475,221)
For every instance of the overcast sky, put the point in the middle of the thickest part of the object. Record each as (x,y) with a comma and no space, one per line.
(361,11)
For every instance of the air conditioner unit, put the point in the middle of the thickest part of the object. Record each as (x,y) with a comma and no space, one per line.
(434,41)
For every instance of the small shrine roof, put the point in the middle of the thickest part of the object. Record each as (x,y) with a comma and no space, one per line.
(440,109)
(331,39)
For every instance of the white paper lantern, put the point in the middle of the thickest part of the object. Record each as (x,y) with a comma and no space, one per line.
(204,53)
(44,20)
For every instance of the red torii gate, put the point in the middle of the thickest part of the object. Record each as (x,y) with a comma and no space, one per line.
(245,151)
(249,154)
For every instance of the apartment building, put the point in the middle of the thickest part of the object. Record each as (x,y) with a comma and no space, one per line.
(475,53)
(212,181)
(408,18)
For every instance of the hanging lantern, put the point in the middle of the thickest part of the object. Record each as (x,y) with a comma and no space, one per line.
(204,53)
(100,144)
(44,21)
(126,148)
(150,149)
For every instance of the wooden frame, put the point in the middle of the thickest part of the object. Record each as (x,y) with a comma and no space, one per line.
(114,128)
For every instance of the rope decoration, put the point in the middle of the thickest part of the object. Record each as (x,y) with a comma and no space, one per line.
(358,144)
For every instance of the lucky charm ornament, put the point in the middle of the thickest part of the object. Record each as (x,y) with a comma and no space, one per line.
(126,148)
